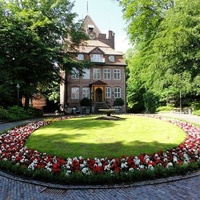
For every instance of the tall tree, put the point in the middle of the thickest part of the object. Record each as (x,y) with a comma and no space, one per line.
(143,17)
(167,45)
(33,41)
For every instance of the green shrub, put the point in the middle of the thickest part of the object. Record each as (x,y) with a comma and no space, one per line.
(118,102)
(85,102)
(196,112)
(16,113)
(3,113)
(195,105)
(33,112)
(164,108)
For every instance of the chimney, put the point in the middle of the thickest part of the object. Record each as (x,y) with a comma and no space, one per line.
(111,38)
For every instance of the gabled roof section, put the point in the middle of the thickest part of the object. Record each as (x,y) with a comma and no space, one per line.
(96,50)
(91,45)
(89,22)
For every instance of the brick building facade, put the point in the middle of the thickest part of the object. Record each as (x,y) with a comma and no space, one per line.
(102,83)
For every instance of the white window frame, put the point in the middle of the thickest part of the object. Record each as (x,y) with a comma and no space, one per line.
(86,92)
(117,92)
(108,92)
(117,74)
(75,73)
(96,73)
(75,93)
(111,58)
(86,73)
(106,74)
(94,57)
(80,56)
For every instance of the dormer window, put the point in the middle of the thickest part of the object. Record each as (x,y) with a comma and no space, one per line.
(111,58)
(97,58)
(80,57)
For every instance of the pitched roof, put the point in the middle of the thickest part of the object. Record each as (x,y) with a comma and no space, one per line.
(90,45)
(89,22)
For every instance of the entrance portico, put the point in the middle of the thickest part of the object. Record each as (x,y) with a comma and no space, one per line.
(98,91)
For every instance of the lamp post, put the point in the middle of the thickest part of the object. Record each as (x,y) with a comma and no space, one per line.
(18,88)
(180,101)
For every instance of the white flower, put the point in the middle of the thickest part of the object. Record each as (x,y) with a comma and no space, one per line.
(80,157)
(48,168)
(165,159)
(137,161)
(123,165)
(49,164)
(150,167)
(68,167)
(141,166)
(82,165)
(31,166)
(107,167)
(165,155)
(76,159)
(99,164)
(175,159)
(69,161)
(86,171)
(54,159)
(169,165)
(68,172)
(13,158)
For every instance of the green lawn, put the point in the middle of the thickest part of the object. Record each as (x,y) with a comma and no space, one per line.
(89,137)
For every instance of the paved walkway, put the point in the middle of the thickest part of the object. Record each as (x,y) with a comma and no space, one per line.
(174,188)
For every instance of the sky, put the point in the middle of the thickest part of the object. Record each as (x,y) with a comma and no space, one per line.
(107,15)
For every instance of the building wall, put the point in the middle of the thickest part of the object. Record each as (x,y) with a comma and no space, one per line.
(80,83)
(100,44)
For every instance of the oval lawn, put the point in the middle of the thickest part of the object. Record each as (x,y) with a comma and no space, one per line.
(89,137)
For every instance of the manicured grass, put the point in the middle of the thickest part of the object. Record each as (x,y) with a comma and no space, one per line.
(88,137)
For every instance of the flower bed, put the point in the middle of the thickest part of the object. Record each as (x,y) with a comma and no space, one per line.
(14,151)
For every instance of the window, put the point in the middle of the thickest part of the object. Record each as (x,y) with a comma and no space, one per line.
(117,74)
(75,73)
(108,92)
(96,58)
(107,74)
(117,92)
(86,92)
(75,93)
(86,73)
(111,58)
(80,57)
(96,73)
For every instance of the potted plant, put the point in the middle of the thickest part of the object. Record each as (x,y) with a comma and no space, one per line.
(118,103)
(85,104)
